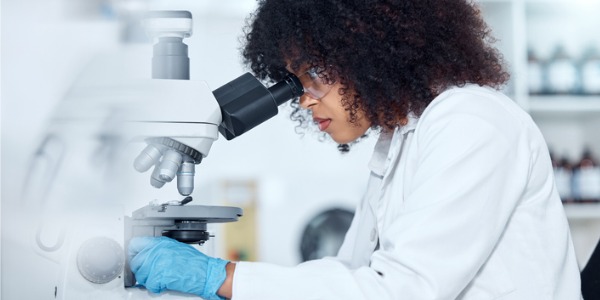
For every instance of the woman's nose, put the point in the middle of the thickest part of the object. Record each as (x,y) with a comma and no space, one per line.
(307,102)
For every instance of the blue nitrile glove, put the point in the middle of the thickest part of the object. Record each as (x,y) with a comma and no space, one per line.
(161,263)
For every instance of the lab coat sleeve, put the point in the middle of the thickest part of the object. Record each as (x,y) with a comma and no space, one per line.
(309,280)
(436,233)
(316,279)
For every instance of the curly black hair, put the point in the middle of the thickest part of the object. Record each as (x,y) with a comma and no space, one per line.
(392,57)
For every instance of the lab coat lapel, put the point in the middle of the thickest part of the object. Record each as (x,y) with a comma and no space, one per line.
(385,159)
(398,145)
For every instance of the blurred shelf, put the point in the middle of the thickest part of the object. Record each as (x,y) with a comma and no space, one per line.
(565,104)
(496,1)
(583,211)
(570,2)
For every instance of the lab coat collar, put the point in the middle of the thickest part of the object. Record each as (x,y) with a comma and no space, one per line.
(382,157)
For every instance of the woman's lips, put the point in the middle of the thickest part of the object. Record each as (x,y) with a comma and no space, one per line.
(322,123)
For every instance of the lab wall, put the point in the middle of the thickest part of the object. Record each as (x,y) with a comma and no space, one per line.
(42,53)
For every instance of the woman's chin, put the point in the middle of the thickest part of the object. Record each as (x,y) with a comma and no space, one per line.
(343,139)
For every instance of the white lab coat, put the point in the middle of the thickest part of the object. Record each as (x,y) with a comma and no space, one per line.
(464,206)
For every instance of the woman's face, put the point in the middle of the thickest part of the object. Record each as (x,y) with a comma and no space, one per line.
(328,113)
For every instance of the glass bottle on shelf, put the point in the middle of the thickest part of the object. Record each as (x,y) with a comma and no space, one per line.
(586,179)
(563,172)
(535,73)
(562,75)
(590,72)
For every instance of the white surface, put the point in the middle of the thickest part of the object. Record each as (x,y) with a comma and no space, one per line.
(583,211)
(564,105)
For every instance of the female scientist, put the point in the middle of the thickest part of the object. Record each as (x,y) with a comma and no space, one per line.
(461,202)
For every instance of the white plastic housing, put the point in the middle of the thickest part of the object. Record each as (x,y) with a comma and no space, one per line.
(168,27)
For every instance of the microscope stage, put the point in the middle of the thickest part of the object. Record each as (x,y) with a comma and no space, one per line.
(198,213)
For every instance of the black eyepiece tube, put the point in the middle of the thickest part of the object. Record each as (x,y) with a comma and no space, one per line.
(290,87)
(245,102)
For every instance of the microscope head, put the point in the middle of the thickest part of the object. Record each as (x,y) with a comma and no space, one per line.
(178,127)
(234,108)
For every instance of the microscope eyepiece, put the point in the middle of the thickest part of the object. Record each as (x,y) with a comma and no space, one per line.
(288,88)
(245,102)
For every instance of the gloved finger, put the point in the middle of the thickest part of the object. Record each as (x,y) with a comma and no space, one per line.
(156,282)
(137,244)
(138,250)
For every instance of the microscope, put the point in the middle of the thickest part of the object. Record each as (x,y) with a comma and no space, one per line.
(177,141)
(71,228)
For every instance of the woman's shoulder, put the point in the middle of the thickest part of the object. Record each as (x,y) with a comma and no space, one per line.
(476,106)
(472,99)
(469,95)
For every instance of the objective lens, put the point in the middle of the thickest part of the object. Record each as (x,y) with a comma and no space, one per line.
(147,158)
(155,180)
(185,178)
(169,165)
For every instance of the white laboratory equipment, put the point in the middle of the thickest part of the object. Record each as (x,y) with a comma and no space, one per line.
(84,197)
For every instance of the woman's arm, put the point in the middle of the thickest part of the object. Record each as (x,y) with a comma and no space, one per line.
(225,289)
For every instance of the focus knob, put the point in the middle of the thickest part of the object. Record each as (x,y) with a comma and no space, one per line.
(100,260)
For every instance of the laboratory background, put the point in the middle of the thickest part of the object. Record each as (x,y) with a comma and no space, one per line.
(62,203)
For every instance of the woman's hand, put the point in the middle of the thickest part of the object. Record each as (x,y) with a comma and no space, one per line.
(161,263)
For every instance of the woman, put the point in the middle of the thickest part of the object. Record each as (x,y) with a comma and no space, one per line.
(461,202)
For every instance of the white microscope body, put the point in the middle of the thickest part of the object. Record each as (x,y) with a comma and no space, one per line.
(83,200)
